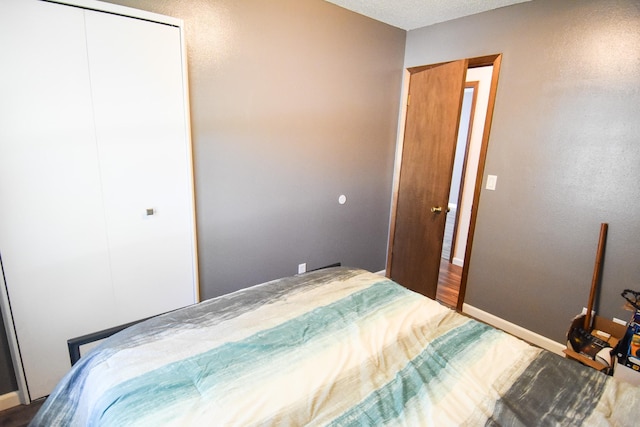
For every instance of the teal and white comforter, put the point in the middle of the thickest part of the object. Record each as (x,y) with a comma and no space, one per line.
(334,347)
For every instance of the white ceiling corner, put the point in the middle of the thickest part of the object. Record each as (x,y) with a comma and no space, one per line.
(412,14)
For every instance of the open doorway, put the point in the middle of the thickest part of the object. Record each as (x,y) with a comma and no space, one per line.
(457,177)
(463,182)
(424,164)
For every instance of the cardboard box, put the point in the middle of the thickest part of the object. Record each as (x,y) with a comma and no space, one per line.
(611,333)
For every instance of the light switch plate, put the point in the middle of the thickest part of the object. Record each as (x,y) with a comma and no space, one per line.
(491,182)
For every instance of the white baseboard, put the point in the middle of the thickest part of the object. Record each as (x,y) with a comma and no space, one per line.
(514,329)
(457,261)
(9,400)
(381,272)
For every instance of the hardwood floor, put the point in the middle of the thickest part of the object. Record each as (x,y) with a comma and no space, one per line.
(19,416)
(448,283)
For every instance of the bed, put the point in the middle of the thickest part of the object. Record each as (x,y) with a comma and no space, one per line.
(340,346)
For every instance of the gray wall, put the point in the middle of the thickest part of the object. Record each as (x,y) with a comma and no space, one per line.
(565,146)
(293,103)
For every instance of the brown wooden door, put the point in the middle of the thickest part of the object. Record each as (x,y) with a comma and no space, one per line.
(431,131)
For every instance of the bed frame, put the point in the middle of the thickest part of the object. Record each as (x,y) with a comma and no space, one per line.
(74,343)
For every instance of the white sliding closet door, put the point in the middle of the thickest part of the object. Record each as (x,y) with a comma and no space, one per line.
(136,77)
(53,240)
(96,199)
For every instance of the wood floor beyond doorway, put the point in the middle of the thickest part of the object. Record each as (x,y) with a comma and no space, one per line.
(448,283)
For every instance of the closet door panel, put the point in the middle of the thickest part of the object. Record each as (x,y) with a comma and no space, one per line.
(52,227)
(137,85)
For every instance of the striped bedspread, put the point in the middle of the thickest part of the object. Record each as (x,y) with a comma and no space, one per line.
(335,347)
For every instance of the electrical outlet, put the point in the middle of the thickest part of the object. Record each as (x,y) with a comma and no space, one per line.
(584,311)
(302,268)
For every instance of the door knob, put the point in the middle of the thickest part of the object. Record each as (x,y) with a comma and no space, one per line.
(436,209)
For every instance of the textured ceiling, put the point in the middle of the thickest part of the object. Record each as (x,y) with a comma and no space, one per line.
(412,14)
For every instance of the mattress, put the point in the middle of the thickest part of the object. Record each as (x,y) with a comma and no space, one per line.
(336,347)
